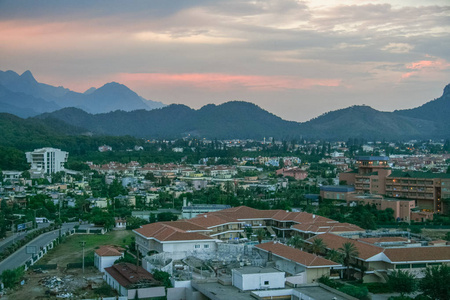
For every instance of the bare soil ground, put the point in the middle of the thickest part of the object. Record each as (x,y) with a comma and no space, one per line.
(72,283)
(58,284)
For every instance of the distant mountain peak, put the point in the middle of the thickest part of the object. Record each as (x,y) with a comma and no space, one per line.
(114,84)
(90,91)
(446,90)
(28,76)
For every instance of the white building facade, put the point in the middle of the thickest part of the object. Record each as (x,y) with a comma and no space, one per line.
(256,278)
(47,160)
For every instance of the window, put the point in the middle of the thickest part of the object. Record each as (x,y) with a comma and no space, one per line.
(266,282)
(197,246)
(405,266)
(419,265)
(205,246)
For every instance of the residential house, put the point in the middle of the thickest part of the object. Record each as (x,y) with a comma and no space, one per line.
(133,282)
(105,256)
(308,268)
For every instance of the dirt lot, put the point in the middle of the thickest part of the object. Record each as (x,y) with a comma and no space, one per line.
(69,283)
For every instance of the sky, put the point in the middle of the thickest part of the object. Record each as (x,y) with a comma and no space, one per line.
(296,59)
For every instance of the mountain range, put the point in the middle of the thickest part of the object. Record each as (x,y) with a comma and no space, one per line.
(23,96)
(116,110)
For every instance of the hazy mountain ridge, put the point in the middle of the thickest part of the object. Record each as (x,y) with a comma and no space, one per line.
(229,120)
(110,97)
(246,120)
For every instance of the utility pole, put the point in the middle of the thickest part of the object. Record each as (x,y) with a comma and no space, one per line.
(59,215)
(12,230)
(34,220)
(83,243)
(137,258)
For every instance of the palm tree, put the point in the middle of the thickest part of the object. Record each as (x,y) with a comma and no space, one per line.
(318,246)
(296,241)
(350,251)
(260,234)
(334,255)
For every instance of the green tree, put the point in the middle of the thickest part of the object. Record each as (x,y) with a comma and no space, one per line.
(318,246)
(167,216)
(101,218)
(334,256)
(296,241)
(135,222)
(447,236)
(435,283)
(12,277)
(350,251)
(402,282)
(260,234)
(163,277)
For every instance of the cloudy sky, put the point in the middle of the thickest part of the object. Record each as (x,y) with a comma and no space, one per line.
(297,59)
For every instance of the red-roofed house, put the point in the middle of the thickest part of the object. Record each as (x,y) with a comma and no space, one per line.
(105,256)
(133,282)
(162,237)
(307,267)
(376,261)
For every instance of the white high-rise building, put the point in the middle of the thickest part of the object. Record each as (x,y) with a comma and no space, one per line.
(47,160)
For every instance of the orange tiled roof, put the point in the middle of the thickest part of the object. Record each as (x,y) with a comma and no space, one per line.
(327,227)
(335,242)
(384,239)
(164,232)
(109,251)
(301,257)
(416,254)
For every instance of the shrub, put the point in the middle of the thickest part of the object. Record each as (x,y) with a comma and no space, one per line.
(360,292)
(331,283)
(12,277)
(378,288)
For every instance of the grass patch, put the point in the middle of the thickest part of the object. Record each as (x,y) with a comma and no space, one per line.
(70,251)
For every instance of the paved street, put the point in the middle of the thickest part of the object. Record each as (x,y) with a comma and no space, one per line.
(20,256)
(5,243)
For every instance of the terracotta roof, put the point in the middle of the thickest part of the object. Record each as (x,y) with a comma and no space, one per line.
(332,241)
(185,225)
(384,239)
(413,254)
(109,251)
(127,274)
(300,257)
(165,232)
(327,227)
(211,220)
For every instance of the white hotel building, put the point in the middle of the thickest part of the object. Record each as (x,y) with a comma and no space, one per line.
(46,160)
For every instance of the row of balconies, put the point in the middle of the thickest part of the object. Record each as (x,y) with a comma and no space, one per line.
(406,182)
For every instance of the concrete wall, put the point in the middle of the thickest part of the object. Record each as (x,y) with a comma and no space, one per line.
(147,292)
(314,274)
(207,245)
(258,281)
(176,293)
(102,262)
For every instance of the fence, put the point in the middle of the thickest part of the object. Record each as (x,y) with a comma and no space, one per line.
(44,267)
(80,265)
(43,250)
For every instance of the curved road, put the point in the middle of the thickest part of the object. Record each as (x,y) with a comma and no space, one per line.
(19,258)
(5,243)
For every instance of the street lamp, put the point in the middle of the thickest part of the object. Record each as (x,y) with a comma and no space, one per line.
(83,244)
(12,229)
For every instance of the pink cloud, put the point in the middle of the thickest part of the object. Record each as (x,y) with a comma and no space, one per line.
(426,66)
(218,81)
